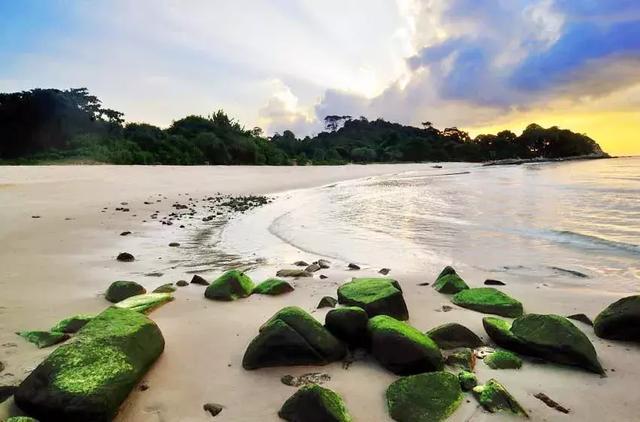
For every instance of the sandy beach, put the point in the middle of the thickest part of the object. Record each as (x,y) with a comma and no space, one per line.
(60,264)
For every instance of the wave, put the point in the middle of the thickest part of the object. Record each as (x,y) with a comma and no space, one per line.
(591,242)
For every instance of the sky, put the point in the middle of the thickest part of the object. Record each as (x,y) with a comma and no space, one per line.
(480,65)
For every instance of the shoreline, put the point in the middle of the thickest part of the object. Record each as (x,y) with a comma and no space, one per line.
(206,340)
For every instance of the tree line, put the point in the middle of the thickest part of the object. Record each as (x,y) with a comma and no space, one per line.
(50,124)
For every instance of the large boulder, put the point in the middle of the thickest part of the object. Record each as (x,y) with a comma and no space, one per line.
(449,282)
(313,403)
(494,397)
(402,349)
(424,397)
(349,324)
(230,286)
(273,287)
(454,335)
(489,301)
(550,337)
(292,337)
(377,296)
(122,289)
(88,379)
(620,320)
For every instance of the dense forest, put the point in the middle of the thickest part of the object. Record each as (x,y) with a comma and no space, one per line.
(50,125)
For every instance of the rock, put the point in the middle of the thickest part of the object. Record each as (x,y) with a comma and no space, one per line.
(72,324)
(313,403)
(349,324)
(384,271)
(490,282)
(550,337)
(571,272)
(402,349)
(230,286)
(467,380)
(174,244)
(449,282)
(212,408)
(323,263)
(125,233)
(293,273)
(7,391)
(495,398)
(122,289)
(312,268)
(551,403)
(488,300)
(322,277)
(273,287)
(88,379)
(462,359)
(454,335)
(424,397)
(182,283)
(377,296)
(21,419)
(300,264)
(353,266)
(503,359)
(311,378)
(292,337)
(620,320)
(446,308)
(196,279)
(43,339)
(145,303)
(582,318)
(165,288)
(327,302)
(125,257)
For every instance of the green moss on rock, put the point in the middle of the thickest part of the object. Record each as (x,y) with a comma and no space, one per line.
(273,287)
(88,379)
(620,320)
(467,380)
(424,397)
(402,349)
(349,324)
(43,339)
(145,303)
(454,335)
(462,359)
(122,289)
(314,403)
(500,332)
(21,419)
(377,296)
(488,300)
(449,282)
(494,397)
(230,286)
(165,288)
(72,324)
(292,337)
(503,359)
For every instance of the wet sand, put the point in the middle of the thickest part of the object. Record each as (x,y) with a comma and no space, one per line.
(54,268)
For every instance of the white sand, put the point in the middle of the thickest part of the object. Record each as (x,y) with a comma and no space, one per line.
(53,268)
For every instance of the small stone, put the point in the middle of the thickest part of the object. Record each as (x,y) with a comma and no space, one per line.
(174,244)
(293,273)
(300,264)
(462,359)
(490,282)
(327,302)
(503,359)
(323,263)
(125,257)
(143,387)
(384,271)
(35,216)
(353,266)
(495,398)
(446,308)
(213,408)
(125,233)
(551,403)
(165,288)
(582,318)
(312,268)
(196,279)
(468,380)
(310,378)
(322,277)
(182,283)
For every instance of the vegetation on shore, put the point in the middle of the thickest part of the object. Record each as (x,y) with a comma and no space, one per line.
(71,126)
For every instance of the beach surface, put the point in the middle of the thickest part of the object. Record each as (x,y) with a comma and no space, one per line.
(61,262)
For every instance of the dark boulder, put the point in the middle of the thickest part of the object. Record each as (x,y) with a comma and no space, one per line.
(582,318)
(313,403)
(490,282)
(122,289)
(620,320)
(230,286)
(327,302)
(349,324)
(454,335)
(377,296)
(182,283)
(196,279)
(125,257)
(273,287)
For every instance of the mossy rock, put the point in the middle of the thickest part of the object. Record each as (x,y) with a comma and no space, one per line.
(489,301)
(462,359)
(273,287)
(292,337)
(620,320)
(230,286)
(145,303)
(402,349)
(327,302)
(454,335)
(449,282)
(550,337)
(295,273)
(21,419)
(424,397)
(43,339)
(349,324)
(72,324)
(377,296)
(467,380)
(88,379)
(122,289)
(494,397)
(503,359)
(313,403)
(165,288)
